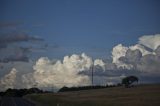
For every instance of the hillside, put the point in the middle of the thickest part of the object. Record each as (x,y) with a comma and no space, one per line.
(142,95)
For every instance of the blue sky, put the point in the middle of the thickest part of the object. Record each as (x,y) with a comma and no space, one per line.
(31,30)
(76,26)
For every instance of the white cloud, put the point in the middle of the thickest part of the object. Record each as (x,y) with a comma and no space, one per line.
(28,80)
(9,80)
(74,70)
(151,41)
(137,57)
(60,74)
(117,52)
(99,62)
(121,51)
(141,48)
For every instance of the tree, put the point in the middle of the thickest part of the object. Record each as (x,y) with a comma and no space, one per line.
(127,81)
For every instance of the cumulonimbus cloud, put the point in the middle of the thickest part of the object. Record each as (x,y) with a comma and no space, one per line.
(66,73)
(138,57)
(142,58)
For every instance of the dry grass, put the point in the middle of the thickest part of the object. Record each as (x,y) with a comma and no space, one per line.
(142,95)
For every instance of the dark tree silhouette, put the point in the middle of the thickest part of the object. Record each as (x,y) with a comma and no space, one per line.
(127,81)
(19,92)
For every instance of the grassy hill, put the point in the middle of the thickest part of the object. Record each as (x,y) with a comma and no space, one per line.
(142,95)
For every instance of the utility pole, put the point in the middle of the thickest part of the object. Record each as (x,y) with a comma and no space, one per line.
(92,69)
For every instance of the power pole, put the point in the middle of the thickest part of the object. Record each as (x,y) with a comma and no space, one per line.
(92,69)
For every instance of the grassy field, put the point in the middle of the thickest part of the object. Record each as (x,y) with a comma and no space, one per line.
(141,95)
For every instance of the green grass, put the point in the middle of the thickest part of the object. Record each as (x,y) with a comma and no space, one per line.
(142,95)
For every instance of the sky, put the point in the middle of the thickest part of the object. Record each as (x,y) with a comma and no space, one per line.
(102,29)
(84,25)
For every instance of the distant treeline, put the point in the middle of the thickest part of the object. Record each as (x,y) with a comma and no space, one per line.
(127,82)
(20,92)
(65,89)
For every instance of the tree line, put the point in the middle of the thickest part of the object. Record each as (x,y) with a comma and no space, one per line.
(19,92)
(127,82)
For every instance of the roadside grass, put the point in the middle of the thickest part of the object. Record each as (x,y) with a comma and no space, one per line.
(141,95)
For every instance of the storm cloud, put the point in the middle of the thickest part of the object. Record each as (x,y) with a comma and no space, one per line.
(58,74)
(141,59)
(138,57)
